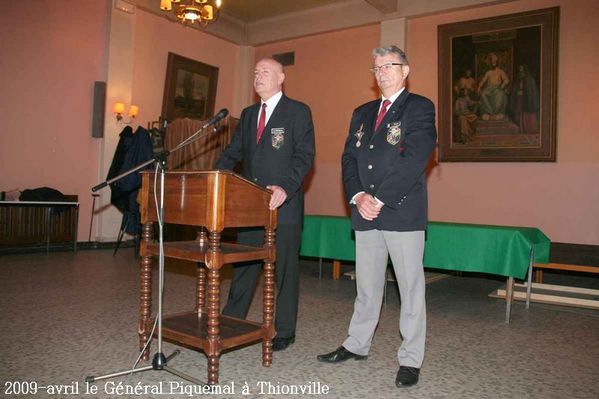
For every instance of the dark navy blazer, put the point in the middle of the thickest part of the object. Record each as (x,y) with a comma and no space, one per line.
(390,163)
(283,156)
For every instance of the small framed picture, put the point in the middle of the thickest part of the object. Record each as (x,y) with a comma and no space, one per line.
(189,89)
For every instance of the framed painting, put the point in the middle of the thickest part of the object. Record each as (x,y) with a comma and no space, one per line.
(189,89)
(498,88)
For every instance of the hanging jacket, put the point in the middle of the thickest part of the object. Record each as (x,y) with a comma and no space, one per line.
(132,150)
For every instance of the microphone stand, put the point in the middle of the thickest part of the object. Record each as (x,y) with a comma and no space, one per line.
(159,361)
(164,154)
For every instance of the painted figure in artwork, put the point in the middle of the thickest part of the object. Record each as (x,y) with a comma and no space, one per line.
(465,110)
(492,90)
(466,83)
(524,101)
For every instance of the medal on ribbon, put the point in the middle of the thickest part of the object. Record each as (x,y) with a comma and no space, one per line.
(358,134)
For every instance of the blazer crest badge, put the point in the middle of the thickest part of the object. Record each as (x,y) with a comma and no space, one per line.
(277,137)
(394,132)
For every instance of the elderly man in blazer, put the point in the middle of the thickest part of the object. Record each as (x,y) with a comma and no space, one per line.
(384,173)
(275,141)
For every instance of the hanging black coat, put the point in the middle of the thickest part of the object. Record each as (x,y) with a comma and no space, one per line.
(132,150)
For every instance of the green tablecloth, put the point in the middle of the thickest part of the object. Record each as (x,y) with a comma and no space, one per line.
(500,250)
(328,237)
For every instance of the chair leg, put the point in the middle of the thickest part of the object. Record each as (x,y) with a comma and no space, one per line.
(319,268)
(137,242)
(538,276)
(124,224)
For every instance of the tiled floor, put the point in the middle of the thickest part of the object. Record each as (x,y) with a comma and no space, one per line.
(64,316)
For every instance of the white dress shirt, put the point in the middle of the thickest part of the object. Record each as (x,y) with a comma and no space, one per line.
(271,103)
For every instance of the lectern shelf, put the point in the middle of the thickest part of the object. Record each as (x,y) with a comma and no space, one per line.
(214,200)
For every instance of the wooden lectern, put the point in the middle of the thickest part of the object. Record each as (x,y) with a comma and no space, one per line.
(212,200)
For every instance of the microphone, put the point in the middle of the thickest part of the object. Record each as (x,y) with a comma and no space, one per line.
(162,156)
(216,118)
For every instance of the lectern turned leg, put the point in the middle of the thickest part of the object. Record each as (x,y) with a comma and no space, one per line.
(145,292)
(202,239)
(268,304)
(213,322)
(213,264)
(201,289)
(269,301)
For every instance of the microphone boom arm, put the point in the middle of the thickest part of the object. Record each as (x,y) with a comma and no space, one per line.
(164,154)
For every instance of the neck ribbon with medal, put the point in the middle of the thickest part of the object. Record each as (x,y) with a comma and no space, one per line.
(359,134)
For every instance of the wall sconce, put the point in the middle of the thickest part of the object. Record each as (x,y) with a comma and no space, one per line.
(119,110)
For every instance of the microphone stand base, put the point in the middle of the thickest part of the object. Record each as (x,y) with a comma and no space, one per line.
(158,363)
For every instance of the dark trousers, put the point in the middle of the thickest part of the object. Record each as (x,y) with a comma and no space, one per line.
(245,276)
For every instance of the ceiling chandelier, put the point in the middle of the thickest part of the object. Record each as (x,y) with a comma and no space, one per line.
(203,11)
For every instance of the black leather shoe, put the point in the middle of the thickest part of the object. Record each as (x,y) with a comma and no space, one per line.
(339,355)
(407,376)
(279,344)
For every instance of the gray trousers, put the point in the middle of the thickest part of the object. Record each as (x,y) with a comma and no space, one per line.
(373,248)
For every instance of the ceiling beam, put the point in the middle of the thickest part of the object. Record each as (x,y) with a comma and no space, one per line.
(415,8)
(384,6)
(341,15)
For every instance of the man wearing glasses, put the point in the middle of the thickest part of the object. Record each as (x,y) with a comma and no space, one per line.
(384,173)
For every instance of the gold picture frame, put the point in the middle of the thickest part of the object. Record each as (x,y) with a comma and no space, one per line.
(189,89)
(498,88)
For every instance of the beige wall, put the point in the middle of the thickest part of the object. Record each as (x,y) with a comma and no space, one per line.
(49,65)
(49,61)
(155,37)
(47,84)
(561,198)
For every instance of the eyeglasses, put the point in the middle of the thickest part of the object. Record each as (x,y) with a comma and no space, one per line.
(385,67)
